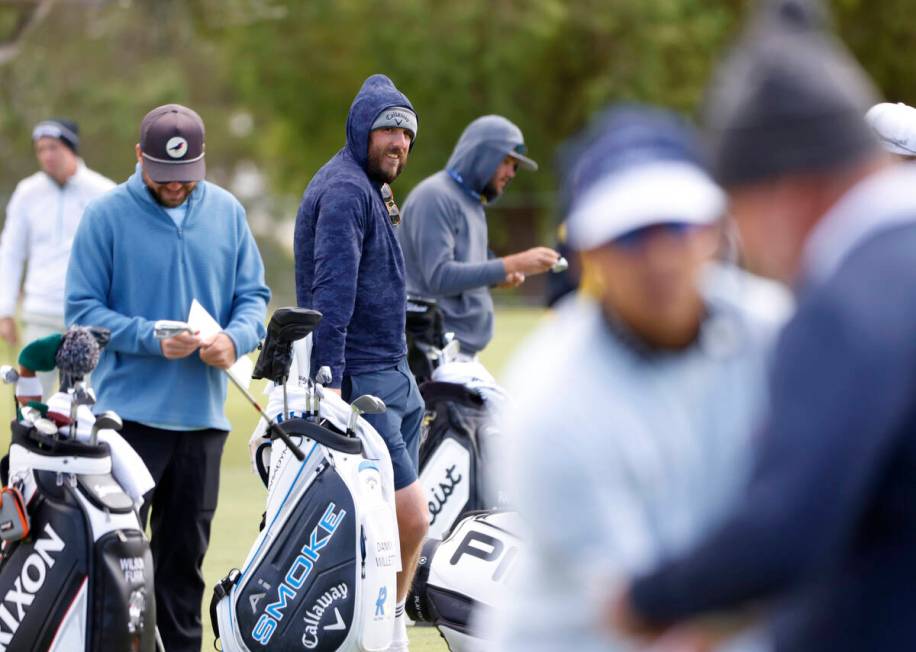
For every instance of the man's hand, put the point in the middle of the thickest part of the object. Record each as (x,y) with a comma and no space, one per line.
(336,390)
(218,351)
(536,260)
(180,346)
(621,618)
(8,331)
(513,280)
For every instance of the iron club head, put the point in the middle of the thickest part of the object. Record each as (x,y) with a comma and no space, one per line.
(166,328)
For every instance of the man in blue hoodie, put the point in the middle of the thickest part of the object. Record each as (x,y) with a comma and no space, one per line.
(349,267)
(444,235)
(144,252)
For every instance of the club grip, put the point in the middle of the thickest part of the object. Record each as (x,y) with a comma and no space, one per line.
(290,444)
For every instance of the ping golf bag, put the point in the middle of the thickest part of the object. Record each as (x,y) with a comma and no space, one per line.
(457,443)
(321,573)
(83,578)
(462,575)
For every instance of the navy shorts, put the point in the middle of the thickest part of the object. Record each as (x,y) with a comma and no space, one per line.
(399,424)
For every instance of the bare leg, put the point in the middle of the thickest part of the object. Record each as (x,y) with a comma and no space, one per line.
(413,522)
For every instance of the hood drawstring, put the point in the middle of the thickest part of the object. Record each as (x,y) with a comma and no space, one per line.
(457,178)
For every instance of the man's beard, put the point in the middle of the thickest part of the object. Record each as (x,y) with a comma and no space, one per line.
(377,173)
(490,193)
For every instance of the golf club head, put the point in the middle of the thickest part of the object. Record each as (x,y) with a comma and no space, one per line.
(8,375)
(560,266)
(368,404)
(29,414)
(450,351)
(323,377)
(45,426)
(108,420)
(166,328)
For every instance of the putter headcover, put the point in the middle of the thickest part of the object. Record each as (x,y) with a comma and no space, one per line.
(286,326)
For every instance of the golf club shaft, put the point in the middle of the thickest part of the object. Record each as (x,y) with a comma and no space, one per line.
(275,427)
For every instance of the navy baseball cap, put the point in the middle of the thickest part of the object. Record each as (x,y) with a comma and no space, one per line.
(172,142)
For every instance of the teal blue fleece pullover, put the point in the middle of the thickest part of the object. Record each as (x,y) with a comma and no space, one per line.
(131,265)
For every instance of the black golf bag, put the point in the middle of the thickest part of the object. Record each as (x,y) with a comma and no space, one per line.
(425,331)
(82,579)
(461,575)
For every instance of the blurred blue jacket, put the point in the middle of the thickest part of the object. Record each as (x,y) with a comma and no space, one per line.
(828,519)
(348,262)
(131,265)
(617,457)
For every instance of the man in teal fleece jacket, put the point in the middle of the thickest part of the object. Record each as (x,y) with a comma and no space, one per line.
(142,253)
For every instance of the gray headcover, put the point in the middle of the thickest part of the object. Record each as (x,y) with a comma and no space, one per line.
(788,98)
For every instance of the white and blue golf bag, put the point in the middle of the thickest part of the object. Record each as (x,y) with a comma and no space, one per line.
(81,577)
(321,574)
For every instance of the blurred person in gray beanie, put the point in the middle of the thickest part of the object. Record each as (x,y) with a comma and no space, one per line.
(825,531)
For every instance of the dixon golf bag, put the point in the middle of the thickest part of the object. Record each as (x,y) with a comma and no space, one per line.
(457,443)
(76,573)
(462,574)
(321,573)
(82,579)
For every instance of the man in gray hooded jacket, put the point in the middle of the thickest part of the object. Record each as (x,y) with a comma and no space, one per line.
(444,231)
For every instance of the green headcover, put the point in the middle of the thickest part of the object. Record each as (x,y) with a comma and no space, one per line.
(39,354)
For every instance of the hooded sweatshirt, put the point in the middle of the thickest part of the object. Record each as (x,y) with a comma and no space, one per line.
(131,265)
(444,232)
(349,265)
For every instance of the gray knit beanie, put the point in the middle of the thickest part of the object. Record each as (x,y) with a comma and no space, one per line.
(788,98)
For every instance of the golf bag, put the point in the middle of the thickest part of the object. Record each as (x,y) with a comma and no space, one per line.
(457,441)
(425,331)
(321,573)
(461,575)
(83,578)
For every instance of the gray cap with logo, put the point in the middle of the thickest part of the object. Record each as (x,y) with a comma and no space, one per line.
(172,142)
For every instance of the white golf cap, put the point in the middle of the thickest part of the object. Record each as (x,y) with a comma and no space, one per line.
(895,126)
(655,192)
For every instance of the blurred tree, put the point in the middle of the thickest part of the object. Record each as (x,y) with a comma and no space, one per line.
(274,79)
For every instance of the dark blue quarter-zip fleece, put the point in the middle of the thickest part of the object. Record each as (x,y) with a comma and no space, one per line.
(349,265)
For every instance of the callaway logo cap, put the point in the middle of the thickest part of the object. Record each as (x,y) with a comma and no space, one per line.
(172,142)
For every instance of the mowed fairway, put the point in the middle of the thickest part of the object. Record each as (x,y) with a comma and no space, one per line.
(241,499)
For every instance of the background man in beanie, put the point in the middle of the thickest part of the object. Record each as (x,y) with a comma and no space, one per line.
(444,235)
(142,253)
(41,219)
(827,520)
(349,266)
(629,432)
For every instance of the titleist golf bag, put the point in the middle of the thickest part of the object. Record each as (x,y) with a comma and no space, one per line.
(457,443)
(321,574)
(461,575)
(76,573)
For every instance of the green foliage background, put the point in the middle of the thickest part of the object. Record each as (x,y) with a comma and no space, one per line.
(273,80)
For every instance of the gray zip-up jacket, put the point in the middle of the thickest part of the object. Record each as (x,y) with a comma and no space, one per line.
(444,233)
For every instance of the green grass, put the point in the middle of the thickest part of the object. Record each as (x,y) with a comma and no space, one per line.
(241,499)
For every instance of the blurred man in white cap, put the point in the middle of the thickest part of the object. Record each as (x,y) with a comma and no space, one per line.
(629,430)
(41,218)
(895,125)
